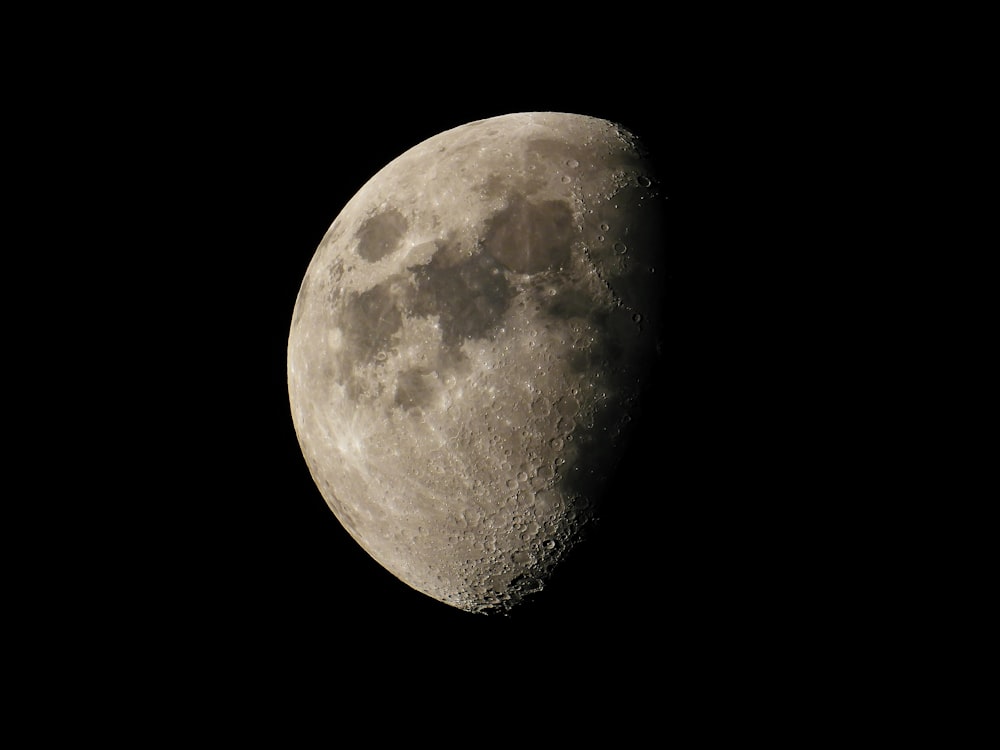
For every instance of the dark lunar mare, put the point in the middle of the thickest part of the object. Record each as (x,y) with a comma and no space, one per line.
(469,297)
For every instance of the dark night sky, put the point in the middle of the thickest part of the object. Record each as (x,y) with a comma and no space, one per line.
(184,169)
(225,183)
(676,509)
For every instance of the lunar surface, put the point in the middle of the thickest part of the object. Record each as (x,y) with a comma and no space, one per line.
(469,346)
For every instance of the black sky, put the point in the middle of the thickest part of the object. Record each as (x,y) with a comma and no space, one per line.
(225,181)
(660,555)
(183,170)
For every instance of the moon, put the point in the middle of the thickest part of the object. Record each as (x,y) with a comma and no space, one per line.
(469,348)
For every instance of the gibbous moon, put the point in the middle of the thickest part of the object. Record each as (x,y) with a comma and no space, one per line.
(469,345)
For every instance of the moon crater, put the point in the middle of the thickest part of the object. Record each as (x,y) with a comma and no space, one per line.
(381,234)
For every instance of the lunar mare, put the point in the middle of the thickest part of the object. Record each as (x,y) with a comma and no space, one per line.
(469,345)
